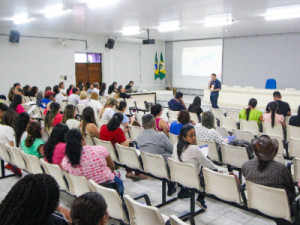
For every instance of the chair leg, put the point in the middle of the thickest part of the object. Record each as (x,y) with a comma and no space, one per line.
(164,195)
(3,171)
(192,208)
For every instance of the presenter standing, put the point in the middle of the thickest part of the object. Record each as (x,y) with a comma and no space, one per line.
(214,87)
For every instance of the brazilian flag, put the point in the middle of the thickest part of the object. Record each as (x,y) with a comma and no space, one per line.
(162,70)
(156,71)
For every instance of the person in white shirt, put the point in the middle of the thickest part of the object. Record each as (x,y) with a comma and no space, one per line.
(96,88)
(7,133)
(61,87)
(83,98)
(95,104)
(107,111)
(74,98)
(103,91)
(58,96)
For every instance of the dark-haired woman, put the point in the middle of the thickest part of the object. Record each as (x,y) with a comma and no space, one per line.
(161,124)
(33,200)
(69,117)
(251,113)
(103,91)
(195,107)
(187,151)
(26,90)
(7,133)
(88,125)
(20,125)
(182,119)
(272,117)
(54,148)
(89,208)
(33,144)
(93,162)
(69,90)
(33,92)
(112,89)
(53,117)
(121,93)
(121,107)
(16,104)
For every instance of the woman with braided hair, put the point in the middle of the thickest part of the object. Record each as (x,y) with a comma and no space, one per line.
(272,117)
(32,201)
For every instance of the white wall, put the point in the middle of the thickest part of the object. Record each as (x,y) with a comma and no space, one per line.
(40,62)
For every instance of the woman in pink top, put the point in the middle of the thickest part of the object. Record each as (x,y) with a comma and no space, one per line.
(55,147)
(16,104)
(273,117)
(93,162)
(161,124)
(53,117)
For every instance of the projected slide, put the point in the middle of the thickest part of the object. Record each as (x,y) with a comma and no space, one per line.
(201,61)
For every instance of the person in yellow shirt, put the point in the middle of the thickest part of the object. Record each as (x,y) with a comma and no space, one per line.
(251,113)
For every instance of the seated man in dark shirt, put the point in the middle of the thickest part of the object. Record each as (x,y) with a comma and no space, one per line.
(177,104)
(295,120)
(128,87)
(283,107)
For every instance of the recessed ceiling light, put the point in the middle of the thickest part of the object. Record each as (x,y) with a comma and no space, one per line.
(169,26)
(284,12)
(21,18)
(100,3)
(54,11)
(218,20)
(131,30)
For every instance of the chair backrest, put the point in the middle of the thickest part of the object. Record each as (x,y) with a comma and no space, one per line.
(113,201)
(279,158)
(234,155)
(276,130)
(243,134)
(280,143)
(287,119)
(89,140)
(172,115)
(212,149)
(26,99)
(78,185)
(100,123)
(217,112)
(271,84)
(223,131)
(73,124)
(56,172)
(233,114)
(33,163)
(4,152)
(184,173)
(176,221)
(249,125)
(155,165)
(109,147)
(227,122)
(294,149)
(223,186)
(173,138)
(135,131)
(143,214)
(138,117)
(292,131)
(17,157)
(129,157)
(296,174)
(63,105)
(268,200)
(80,108)
(194,117)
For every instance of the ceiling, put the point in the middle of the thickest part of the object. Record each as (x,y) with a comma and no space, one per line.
(147,14)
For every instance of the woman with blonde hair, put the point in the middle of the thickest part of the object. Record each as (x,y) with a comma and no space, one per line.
(107,111)
(83,98)
(94,103)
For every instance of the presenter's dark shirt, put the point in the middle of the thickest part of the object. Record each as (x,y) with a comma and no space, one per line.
(217,84)
(283,108)
(175,105)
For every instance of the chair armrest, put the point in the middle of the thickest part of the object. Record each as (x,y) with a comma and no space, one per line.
(145,196)
(242,190)
(289,166)
(110,184)
(296,208)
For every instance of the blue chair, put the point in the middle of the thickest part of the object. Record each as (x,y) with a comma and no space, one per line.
(271,84)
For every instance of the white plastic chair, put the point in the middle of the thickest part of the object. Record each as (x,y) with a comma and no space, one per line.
(73,124)
(176,221)
(129,157)
(292,131)
(217,112)
(141,214)
(223,186)
(279,158)
(296,171)
(89,140)
(173,138)
(17,157)
(223,131)
(56,172)
(194,117)
(227,122)
(249,125)
(243,135)
(268,200)
(212,150)
(172,115)
(269,130)
(63,105)
(294,147)
(234,155)
(134,132)
(233,114)
(109,147)
(100,123)
(80,109)
(78,185)
(4,152)
(113,201)
(33,163)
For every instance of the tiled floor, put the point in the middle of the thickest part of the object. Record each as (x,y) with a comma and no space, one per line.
(217,213)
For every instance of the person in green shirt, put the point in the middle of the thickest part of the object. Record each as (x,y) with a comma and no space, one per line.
(251,113)
(33,145)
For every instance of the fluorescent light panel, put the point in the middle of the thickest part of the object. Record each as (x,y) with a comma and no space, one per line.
(284,12)
(100,3)
(131,30)
(21,18)
(169,26)
(219,20)
(54,11)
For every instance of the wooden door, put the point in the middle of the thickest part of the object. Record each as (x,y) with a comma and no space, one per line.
(81,72)
(88,72)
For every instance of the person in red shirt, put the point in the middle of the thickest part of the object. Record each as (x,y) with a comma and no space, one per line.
(53,117)
(113,133)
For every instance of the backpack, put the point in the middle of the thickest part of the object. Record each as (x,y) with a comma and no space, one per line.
(245,144)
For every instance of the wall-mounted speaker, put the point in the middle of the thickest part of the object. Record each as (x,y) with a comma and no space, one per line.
(14,36)
(110,43)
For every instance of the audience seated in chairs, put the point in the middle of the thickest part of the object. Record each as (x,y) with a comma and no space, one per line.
(74,98)
(206,131)
(161,124)
(121,93)
(187,151)
(7,133)
(69,116)
(70,89)
(89,208)
(121,107)
(83,98)
(16,104)
(26,90)
(182,119)
(20,125)
(47,99)
(112,89)
(33,200)
(103,91)
(53,117)
(264,170)
(251,113)
(59,95)
(195,107)
(88,125)
(33,144)
(272,116)
(128,87)
(177,104)
(93,162)
(107,112)
(295,120)
(3,109)
(55,147)
(283,107)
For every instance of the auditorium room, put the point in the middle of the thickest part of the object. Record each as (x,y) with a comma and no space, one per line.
(158,112)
